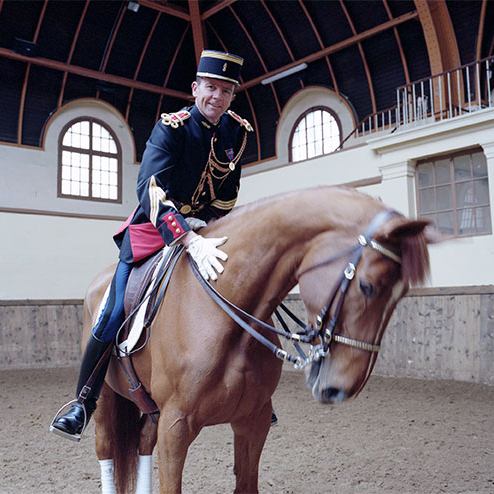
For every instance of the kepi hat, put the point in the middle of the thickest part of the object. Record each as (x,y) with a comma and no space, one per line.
(220,65)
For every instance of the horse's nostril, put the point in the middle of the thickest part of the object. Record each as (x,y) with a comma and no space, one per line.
(366,288)
(333,395)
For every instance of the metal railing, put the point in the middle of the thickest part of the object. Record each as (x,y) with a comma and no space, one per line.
(450,94)
(453,93)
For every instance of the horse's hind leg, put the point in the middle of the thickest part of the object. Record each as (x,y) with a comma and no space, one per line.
(147,441)
(249,438)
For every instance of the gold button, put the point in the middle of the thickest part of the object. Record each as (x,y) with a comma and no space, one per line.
(185,209)
(178,230)
(170,218)
(203,193)
(174,223)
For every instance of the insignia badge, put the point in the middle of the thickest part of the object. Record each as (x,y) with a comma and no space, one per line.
(185,209)
(229,153)
(224,67)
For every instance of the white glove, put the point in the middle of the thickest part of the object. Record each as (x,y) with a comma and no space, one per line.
(205,254)
(195,223)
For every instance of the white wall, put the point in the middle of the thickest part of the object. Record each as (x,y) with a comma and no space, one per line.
(51,246)
(54,255)
(462,262)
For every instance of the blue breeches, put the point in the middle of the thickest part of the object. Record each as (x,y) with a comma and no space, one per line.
(113,314)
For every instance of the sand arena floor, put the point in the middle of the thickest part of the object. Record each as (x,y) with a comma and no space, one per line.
(398,436)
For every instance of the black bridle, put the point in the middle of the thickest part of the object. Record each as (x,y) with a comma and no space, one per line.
(326,335)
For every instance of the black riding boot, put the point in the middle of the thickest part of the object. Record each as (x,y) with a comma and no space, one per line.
(71,424)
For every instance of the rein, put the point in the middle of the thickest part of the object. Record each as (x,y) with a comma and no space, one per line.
(327,335)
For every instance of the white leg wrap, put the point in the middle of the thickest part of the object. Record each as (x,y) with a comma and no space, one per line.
(144,469)
(107,484)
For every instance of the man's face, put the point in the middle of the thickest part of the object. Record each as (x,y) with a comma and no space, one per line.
(213,97)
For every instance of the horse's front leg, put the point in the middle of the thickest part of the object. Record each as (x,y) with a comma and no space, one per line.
(175,434)
(249,438)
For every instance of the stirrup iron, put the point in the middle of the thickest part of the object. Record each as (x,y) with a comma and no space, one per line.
(72,437)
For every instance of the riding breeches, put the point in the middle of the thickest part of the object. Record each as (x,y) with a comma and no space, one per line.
(113,314)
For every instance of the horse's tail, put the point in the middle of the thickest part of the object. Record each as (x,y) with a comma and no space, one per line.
(125,428)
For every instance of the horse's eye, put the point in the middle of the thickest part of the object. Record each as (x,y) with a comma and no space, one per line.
(366,288)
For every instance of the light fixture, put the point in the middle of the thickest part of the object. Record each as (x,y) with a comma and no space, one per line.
(134,6)
(285,73)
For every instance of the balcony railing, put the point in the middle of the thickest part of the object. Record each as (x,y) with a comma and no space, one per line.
(460,91)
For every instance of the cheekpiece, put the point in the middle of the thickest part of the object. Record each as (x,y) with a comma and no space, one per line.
(220,65)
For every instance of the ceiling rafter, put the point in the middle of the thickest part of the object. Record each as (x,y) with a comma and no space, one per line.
(362,56)
(216,8)
(321,44)
(398,42)
(174,11)
(111,41)
(197,29)
(254,46)
(172,63)
(93,74)
(139,64)
(283,38)
(71,52)
(341,45)
(20,120)
(480,36)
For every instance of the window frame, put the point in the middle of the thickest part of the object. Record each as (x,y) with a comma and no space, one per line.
(300,118)
(91,152)
(455,209)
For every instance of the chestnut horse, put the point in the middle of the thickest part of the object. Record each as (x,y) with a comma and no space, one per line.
(202,369)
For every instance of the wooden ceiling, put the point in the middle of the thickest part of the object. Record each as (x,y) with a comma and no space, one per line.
(141,56)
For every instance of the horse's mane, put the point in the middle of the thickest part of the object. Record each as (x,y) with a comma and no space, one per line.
(415,265)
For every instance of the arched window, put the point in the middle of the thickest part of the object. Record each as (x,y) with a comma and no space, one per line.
(90,161)
(316,132)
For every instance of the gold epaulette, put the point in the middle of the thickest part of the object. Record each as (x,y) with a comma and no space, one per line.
(175,119)
(242,121)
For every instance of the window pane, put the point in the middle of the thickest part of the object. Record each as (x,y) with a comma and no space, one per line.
(445,222)
(462,167)
(479,165)
(425,174)
(481,188)
(444,198)
(65,173)
(464,195)
(113,193)
(427,203)
(65,187)
(466,221)
(484,224)
(442,172)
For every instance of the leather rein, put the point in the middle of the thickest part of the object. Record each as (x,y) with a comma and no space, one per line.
(322,330)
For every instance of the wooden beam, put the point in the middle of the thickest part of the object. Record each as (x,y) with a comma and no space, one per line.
(197,29)
(334,48)
(174,11)
(94,74)
(216,8)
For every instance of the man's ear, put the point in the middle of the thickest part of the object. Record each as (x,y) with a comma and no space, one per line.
(233,97)
(194,86)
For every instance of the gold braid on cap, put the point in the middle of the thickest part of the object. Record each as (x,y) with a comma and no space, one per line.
(216,169)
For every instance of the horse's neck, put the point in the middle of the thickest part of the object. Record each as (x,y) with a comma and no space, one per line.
(281,233)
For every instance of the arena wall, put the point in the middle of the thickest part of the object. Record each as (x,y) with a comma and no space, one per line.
(435,333)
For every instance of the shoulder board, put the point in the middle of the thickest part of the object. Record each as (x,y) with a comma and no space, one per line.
(242,121)
(175,119)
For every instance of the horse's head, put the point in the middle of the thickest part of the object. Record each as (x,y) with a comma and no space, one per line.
(352,313)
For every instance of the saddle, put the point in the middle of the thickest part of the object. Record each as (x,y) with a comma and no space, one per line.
(145,290)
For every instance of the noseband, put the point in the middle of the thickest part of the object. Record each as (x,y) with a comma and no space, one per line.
(326,335)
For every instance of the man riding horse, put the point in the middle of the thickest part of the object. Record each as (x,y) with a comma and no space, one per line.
(189,174)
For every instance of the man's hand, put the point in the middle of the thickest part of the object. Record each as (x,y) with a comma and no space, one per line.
(205,253)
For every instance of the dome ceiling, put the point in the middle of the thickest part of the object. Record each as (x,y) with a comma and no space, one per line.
(141,56)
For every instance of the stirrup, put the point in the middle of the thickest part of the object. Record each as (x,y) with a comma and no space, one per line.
(72,437)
